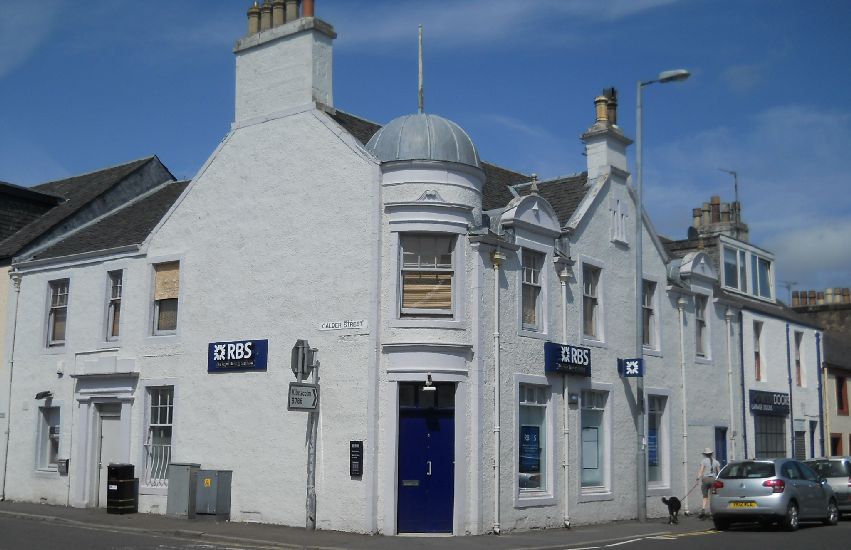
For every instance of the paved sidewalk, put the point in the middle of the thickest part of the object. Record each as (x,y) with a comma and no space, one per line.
(276,536)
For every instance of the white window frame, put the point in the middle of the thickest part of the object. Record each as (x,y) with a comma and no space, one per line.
(52,309)
(161,485)
(741,268)
(44,436)
(706,356)
(153,332)
(544,254)
(409,313)
(757,329)
(598,338)
(531,277)
(653,345)
(526,498)
(603,491)
(664,441)
(798,358)
(748,259)
(113,303)
(756,284)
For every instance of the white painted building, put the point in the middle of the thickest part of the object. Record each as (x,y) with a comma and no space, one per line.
(436,288)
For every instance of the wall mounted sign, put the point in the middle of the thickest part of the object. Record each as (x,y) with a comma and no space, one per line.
(243,355)
(567,359)
(530,449)
(348,324)
(355,458)
(631,368)
(769,403)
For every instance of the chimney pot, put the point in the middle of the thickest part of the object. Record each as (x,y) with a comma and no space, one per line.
(266,15)
(611,105)
(602,109)
(696,214)
(254,19)
(846,296)
(796,300)
(277,13)
(820,298)
(715,199)
(292,10)
(307,8)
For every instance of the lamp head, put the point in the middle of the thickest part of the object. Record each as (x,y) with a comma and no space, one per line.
(673,76)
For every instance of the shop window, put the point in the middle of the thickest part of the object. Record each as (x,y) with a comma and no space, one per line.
(770,436)
(594,437)
(113,305)
(57,316)
(427,273)
(48,438)
(531,299)
(158,439)
(533,451)
(657,440)
(166,291)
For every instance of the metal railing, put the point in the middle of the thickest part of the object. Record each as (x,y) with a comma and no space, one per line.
(157,458)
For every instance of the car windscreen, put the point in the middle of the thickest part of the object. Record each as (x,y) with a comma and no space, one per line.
(830,468)
(747,470)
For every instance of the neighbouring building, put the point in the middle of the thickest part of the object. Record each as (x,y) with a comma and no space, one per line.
(831,309)
(476,328)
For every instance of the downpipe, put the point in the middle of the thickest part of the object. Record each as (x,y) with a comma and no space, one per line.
(563,276)
(16,287)
(681,304)
(497,258)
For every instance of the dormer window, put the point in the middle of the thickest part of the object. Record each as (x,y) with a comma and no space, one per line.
(426,275)
(747,270)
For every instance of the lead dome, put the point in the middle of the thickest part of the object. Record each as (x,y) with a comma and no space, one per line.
(423,137)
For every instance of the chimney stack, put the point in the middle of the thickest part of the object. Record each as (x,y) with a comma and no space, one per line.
(292,10)
(254,18)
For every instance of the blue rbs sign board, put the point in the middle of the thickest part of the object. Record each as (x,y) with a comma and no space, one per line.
(245,355)
(567,359)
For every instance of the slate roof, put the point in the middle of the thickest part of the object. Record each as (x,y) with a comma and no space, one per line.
(78,191)
(128,225)
(564,194)
(497,179)
(20,206)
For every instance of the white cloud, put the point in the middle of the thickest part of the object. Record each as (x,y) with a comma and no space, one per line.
(741,79)
(24,26)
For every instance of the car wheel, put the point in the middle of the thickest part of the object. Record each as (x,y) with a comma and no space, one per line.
(790,520)
(721,524)
(832,514)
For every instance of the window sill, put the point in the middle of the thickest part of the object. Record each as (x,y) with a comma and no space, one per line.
(109,344)
(590,341)
(427,323)
(703,360)
(652,352)
(163,338)
(54,350)
(533,334)
(658,490)
(50,472)
(591,495)
(528,499)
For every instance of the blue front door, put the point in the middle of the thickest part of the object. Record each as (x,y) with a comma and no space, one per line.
(721,445)
(426,458)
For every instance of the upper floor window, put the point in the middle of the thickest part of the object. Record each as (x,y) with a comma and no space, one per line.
(799,375)
(757,350)
(532,263)
(842,395)
(113,307)
(752,277)
(427,274)
(57,317)
(648,309)
(700,343)
(590,301)
(166,290)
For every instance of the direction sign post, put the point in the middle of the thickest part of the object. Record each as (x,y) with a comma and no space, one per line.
(303,397)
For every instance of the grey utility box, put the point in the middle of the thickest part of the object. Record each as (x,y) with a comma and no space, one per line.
(212,496)
(181,490)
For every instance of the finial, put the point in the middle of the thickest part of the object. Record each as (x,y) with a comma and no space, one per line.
(420,89)
(534,187)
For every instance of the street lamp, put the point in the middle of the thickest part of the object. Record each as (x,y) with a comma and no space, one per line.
(664,77)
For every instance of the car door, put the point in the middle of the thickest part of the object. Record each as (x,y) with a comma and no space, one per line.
(820,491)
(800,490)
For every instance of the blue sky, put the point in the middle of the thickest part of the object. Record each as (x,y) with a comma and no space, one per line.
(90,84)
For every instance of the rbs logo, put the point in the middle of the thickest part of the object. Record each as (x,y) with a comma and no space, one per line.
(575,356)
(232,351)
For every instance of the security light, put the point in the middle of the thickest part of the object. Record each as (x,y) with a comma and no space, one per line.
(44,395)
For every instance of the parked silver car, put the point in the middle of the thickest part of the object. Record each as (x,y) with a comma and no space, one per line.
(776,490)
(837,471)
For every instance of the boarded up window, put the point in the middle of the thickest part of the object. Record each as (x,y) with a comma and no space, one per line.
(166,290)
(427,273)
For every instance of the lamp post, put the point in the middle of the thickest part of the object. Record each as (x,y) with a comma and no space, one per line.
(641,460)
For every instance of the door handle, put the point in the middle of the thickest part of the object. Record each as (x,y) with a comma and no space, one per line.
(428,465)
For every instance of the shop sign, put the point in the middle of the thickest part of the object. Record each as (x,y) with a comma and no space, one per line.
(631,368)
(769,403)
(243,355)
(567,359)
(355,458)
(530,449)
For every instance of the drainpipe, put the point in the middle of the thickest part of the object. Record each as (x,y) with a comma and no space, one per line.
(16,286)
(744,395)
(791,408)
(681,304)
(821,392)
(728,323)
(496,257)
(563,275)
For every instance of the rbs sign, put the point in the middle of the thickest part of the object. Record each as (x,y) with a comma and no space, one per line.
(247,355)
(567,359)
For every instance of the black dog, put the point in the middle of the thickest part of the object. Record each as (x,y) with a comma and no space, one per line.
(674,506)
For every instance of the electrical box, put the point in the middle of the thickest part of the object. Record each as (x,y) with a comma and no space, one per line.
(212,493)
(181,490)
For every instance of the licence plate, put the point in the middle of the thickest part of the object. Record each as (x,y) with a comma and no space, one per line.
(742,504)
